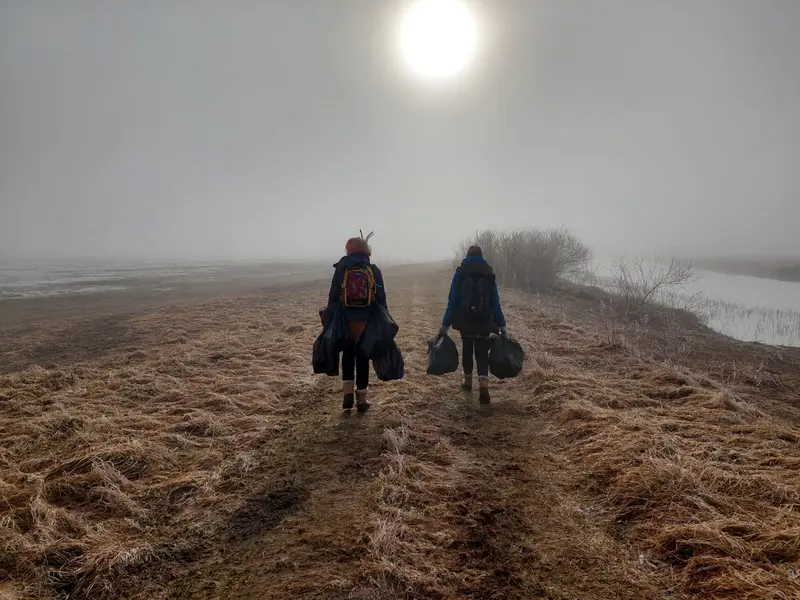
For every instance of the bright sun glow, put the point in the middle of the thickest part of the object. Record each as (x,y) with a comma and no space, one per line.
(438,38)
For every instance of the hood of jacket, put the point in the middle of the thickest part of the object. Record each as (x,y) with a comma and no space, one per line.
(476,265)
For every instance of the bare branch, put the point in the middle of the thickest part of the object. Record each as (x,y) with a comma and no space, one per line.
(642,282)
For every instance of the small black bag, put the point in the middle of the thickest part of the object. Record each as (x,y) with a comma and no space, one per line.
(390,366)
(505,358)
(324,358)
(378,334)
(442,356)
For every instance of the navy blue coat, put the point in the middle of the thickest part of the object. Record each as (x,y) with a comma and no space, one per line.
(478,266)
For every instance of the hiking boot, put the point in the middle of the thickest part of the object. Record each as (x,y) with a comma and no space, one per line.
(483,396)
(466,385)
(362,404)
(348,401)
(349,395)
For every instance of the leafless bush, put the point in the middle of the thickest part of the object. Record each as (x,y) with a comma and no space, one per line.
(648,295)
(532,259)
(640,283)
(588,276)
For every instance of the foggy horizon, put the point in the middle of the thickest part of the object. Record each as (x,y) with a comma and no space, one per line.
(197,131)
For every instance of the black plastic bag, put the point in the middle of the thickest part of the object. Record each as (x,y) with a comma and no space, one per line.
(505,357)
(335,331)
(442,356)
(378,334)
(390,366)
(324,358)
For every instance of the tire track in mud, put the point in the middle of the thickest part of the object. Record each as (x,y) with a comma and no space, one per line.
(524,532)
(486,508)
(303,532)
(455,487)
(521,538)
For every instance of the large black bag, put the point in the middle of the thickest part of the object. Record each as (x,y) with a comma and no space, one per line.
(442,356)
(378,334)
(335,331)
(505,357)
(325,358)
(390,366)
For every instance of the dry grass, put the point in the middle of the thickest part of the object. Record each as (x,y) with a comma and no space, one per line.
(110,466)
(407,532)
(200,458)
(706,479)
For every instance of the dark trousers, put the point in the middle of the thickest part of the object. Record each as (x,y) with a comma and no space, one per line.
(479,348)
(355,366)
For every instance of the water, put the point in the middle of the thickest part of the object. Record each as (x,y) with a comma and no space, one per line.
(748,291)
(37,279)
(747,308)
(32,280)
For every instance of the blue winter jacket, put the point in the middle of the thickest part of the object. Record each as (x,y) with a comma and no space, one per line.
(335,294)
(473,265)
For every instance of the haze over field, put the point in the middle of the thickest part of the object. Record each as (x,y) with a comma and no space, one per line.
(209,130)
(183,395)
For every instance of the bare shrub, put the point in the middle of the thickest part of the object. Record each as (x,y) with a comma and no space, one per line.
(647,296)
(587,276)
(532,259)
(640,283)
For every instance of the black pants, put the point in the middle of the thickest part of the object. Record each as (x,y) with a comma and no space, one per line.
(479,347)
(355,366)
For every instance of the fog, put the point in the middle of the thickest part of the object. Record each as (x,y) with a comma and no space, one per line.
(203,129)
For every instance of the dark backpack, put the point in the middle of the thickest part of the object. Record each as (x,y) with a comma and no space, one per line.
(475,299)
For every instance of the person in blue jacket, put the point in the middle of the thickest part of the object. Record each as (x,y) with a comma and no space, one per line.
(473,309)
(357,285)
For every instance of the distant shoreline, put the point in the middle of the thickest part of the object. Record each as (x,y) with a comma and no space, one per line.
(787,270)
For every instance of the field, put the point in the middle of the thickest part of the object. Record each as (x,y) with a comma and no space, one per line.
(181,448)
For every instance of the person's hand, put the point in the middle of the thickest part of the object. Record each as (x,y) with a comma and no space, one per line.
(443,331)
(504,331)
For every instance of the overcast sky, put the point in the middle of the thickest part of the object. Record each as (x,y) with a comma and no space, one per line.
(201,128)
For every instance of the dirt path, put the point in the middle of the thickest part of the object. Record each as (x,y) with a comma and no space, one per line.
(428,496)
(312,541)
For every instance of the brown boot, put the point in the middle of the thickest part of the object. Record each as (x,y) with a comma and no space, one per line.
(362,404)
(483,395)
(467,385)
(348,389)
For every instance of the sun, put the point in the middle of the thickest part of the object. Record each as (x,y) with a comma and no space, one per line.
(438,38)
